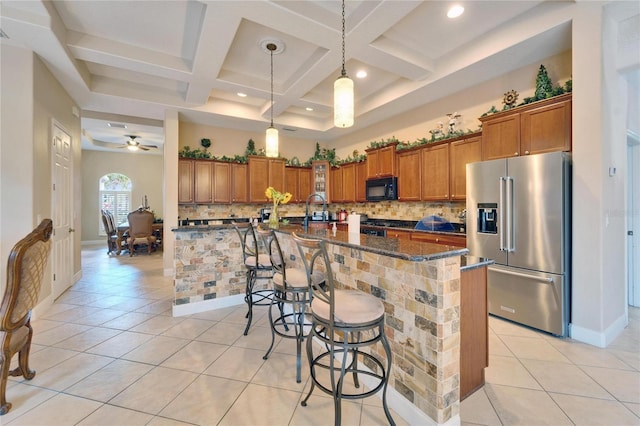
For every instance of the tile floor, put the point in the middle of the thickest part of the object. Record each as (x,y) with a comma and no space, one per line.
(109,353)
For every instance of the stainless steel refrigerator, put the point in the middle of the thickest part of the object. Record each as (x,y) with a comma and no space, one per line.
(519,215)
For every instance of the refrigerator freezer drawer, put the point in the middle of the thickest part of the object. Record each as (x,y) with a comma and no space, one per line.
(536,299)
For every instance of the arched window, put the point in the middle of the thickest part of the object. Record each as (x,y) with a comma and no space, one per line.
(115,196)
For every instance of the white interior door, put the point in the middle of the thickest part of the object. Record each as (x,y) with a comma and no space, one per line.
(61,211)
(633,221)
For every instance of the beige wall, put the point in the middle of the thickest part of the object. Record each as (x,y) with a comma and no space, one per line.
(230,142)
(145,172)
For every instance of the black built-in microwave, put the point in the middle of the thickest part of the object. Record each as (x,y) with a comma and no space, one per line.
(380,189)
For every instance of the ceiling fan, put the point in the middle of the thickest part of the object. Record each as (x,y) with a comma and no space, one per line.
(133,145)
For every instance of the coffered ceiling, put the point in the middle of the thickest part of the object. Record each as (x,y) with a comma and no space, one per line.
(128,61)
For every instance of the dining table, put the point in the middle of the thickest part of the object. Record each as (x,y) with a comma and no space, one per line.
(156,227)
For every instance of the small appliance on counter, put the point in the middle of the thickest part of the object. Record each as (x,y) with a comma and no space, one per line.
(264,215)
(434,223)
(320,216)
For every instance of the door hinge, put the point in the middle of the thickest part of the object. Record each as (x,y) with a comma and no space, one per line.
(54,186)
(54,277)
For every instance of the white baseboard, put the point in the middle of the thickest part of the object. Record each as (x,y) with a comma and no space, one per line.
(207,305)
(599,339)
(77,276)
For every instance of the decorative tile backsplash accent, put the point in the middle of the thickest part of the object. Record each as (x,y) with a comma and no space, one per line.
(380,210)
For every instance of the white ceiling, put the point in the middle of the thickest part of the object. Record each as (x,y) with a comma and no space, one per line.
(126,62)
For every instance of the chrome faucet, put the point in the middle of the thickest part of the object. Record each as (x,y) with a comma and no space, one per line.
(305,224)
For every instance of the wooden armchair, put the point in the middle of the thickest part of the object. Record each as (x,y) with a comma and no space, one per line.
(140,230)
(25,269)
(110,230)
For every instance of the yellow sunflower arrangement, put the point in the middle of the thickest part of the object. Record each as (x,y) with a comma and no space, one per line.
(278,198)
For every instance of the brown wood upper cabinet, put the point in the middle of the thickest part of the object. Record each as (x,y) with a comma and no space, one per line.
(381,162)
(361,181)
(297,181)
(542,126)
(348,182)
(239,184)
(435,172)
(221,182)
(461,153)
(264,172)
(185,181)
(409,172)
(337,192)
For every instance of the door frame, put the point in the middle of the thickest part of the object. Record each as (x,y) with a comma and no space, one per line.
(633,221)
(56,288)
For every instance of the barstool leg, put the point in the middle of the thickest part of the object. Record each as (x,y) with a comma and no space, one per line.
(312,370)
(387,350)
(251,280)
(273,328)
(298,326)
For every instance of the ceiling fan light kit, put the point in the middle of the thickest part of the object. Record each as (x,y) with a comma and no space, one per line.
(343,91)
(133,145)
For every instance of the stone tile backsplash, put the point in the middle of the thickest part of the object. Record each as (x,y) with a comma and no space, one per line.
(379,210)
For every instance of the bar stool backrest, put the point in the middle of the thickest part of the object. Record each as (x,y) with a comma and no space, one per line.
(272,246)
(315,257)
(247,240)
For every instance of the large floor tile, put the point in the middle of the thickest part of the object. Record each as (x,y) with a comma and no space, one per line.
(109,415)
(262,405)
(88,339)
(509,371)
(121,344)
(190,328)
(279,371)
(157,324)
(562,378)
(223,333)
(24,398)
(110,380)
(320,411)
(195,357)
(156,350)
(60,410)
(57,334)
(583,354)
(517,406)
(533,348)
(477,409)
(202,402)
(237,363)
(623,385)
(589,411)
(70,371)
(151,393)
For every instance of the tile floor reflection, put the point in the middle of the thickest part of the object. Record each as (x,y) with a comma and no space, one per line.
(108,352)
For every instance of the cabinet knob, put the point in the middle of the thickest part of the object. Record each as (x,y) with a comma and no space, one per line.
(515,153)
(437,240)
(526,153)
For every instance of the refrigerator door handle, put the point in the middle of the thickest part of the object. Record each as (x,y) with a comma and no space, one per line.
(547,280)
(501,213)
(510,246)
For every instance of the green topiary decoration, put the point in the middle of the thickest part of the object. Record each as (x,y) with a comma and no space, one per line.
(251,148)
(206,143)
(544,87)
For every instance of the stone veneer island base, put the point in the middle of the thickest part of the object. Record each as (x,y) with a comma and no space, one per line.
(419,284)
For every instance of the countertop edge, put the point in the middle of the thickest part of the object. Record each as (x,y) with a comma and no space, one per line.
(473,262)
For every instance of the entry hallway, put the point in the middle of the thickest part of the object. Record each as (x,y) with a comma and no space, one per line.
(109,353)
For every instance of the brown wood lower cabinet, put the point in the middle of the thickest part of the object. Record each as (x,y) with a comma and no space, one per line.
(451,240)
(474,330)
(402,235)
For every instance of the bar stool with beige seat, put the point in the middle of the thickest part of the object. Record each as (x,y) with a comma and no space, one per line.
(344,322)
(258,267)
(291,287)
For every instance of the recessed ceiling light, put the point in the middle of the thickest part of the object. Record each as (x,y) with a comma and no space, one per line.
(117,125)
(361,74)
(309,109)
(242,95)
(455,11)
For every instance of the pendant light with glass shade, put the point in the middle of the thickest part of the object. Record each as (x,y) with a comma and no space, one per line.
(272,132)
(343,91)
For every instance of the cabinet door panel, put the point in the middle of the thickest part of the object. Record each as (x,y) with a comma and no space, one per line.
(361,179)
(276,174)
(203,171)
(435,173)
(185,181)
(546,129)
(258,179)
(409,172)
(337,194)
(221,182)
(349,183)
(501,137)
(239,186)
(305,184)
(291,183)
(463,152)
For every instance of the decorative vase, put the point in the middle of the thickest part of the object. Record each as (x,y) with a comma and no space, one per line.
(273,217)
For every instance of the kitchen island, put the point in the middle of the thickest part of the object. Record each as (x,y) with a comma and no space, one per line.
(418,282)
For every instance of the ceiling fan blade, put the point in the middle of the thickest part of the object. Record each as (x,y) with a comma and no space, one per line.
(150,146)
(142,147)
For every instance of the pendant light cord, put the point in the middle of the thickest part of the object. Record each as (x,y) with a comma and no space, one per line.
(344,71)
(271,50)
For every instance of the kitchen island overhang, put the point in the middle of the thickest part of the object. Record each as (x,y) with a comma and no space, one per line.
(419,284)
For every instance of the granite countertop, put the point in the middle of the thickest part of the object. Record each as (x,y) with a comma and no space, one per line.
(392,247)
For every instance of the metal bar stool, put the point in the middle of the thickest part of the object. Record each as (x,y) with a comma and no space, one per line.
(258,268)
(290,287)
(343,321)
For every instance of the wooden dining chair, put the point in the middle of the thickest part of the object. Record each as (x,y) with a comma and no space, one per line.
(110,230)
(25,269)
(140,230)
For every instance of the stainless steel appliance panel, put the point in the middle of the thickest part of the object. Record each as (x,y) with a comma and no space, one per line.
(537,299)
(483,188)
(535,191)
